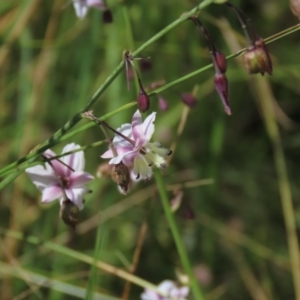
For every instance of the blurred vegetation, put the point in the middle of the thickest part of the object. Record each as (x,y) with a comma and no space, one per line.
(51,63)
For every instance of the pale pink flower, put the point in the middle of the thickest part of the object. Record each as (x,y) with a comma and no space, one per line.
(82,6)
(169,289)
(136,151)
(62,178)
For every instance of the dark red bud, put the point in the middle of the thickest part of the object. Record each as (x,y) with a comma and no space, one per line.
(221,61)
(295,7)
(162,103)
(107,16)
(221,86)
(188,99)
(143,101)
(121,176)
(145,65)
(69,213)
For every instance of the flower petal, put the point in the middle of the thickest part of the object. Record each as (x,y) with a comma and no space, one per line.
(119,141)
(150,295)
(51,193)
(75,160)
(81,8)
(79,179)
(148,126)
(41,177)
(76,196)
(96,3)
(137,129)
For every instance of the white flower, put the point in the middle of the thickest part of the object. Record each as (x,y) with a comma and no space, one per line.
(62,178)
(82,6)
(168,288)
(135,151)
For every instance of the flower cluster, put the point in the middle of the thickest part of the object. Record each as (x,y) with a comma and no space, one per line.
(82,7)
(168,288)
(62,179)
(134,149)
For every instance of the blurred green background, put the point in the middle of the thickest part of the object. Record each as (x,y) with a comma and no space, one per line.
(51,63)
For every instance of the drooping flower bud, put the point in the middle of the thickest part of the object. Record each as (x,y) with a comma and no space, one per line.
(143,101)
(221,86)
(69,213)
(176,200)
(107,16)
(145,64)
(188,99)
(162,103)
(295,7)
(220,61)
(121,176)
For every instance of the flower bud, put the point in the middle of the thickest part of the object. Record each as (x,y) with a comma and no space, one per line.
(162,103)
(69,213)
(145,64)
(188,99)
(107,16)
(260,44)
(221,61)
(221,86)
(295,7)
(143,101)
(121,176)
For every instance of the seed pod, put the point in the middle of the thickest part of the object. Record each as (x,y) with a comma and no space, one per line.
(69,213)
(121,176)
(257,59)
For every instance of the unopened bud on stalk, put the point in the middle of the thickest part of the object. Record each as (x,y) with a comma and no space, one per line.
(220,61)
(107,16)
(221,86)
(143,101)
(260,44)
(121,176)
(69,213)
(295,7)
(188,99)
(162,103)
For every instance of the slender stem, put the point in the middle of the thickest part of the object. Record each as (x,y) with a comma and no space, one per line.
(176,236)
(84,258)
(55,139)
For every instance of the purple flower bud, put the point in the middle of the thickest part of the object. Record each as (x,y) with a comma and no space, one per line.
(143,101)
(221,86)
(295,7)
(121,176)
(107,16)
(69,213)
(162,103)
(221,61)
(188,99)
(145,64)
